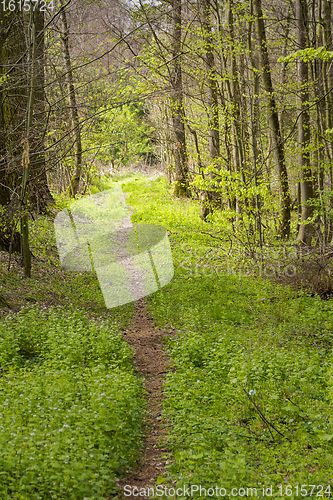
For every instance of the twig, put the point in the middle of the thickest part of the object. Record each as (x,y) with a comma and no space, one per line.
(269,424)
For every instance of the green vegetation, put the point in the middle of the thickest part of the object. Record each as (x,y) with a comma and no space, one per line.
(233,103)
(250,401)
(70,406)
(122,135)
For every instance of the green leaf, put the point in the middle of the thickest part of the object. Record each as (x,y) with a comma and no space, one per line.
(326,437)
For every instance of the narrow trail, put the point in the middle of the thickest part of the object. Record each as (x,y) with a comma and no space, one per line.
(151,361)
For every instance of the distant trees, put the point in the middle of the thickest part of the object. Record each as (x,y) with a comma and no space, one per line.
(48,95)
(243,119)
(240,112)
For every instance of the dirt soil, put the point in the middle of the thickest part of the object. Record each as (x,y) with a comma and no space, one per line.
(150,361)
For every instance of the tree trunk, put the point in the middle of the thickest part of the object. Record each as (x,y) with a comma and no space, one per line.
(234,97)
(305,231)
(212,102)
(13,102)
(39,193)
(15,98)
(327,65)
(255,121)
(282,116)
(32,56)
(273,122)
(4,188)
(75,181)
(177,108)
(326,10)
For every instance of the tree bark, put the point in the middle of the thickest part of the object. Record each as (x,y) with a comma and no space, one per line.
(208,197)
(327,65)
(305,231)
(15,97)
(326,11)
(255,121)
(234,145)
(274,124)
(39,193)
(177,107)
(32,56)
(75,181)
(4,188)
(212,101)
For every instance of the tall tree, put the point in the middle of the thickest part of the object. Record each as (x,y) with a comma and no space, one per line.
(32,58)
(13,108)
(234,93)
(4,188)
(274,123)
(177,104)
(39,193)
(327,75)
(212,99)
(305,230)
(15,94)
(75,181)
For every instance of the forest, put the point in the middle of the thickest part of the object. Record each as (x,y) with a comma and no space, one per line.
(166,244)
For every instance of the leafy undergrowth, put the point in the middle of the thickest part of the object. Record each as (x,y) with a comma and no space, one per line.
(70,406)
(250,402)
(51,285)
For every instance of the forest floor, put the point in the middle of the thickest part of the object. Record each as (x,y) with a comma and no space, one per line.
(151,362)
(204,346)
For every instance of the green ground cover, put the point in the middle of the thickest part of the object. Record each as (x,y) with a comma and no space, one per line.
(250,401)
(71,406)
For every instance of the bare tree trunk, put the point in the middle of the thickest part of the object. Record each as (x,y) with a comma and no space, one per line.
(177,111)
(255,121)
(284,72)
(327,65)
(12,109)
(234,93)
(212,101)
(305,231)
(273,122)
(75,181)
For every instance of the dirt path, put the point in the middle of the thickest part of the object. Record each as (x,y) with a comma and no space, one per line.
(151,361)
